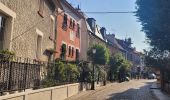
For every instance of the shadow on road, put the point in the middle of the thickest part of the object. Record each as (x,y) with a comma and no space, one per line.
(141,93)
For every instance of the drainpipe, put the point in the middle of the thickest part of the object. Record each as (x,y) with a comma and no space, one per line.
(56,31)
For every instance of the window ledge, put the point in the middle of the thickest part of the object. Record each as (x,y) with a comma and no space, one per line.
(7,11)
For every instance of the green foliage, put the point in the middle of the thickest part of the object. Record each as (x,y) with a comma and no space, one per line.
(7,52)
(101,56)
(101,73)
(157,59)
(118,63)
(61,73)
(85,70)
(72,72)
(48,82)
(6,55)
(154,17)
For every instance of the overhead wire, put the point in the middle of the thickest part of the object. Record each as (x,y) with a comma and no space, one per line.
(100,12)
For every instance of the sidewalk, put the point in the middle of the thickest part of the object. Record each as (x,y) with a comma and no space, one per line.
(155,89)
(84,94)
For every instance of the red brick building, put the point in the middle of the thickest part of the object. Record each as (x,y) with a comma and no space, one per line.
(68,32)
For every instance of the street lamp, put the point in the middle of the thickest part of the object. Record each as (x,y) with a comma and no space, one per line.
(93,82)
(94,51)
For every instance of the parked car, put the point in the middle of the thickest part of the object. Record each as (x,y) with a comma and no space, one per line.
(151,76)
(127,79)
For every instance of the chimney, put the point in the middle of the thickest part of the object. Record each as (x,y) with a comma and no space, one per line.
(92,24)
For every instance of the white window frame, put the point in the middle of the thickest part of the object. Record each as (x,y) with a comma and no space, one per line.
(52,28)
(11,15)
(39,33)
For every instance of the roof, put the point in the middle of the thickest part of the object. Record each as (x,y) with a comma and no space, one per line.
(88,27)
(72,8)
(97,31)
(113,41)
(124,45)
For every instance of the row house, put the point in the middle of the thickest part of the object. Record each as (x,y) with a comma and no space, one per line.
(132,55)
(113,45)
(91,34)
(94,34)
(27,27)
(68,32)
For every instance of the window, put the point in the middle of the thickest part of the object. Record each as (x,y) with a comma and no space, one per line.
(39,44)
(77,54)
(2,29)
(63,52)
(72,52)
(41,7)
(78,31)
(69,52)
(65,22)
(72,35)
(71,23)
(52,28)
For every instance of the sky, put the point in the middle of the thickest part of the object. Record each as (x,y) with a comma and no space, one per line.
(122,25)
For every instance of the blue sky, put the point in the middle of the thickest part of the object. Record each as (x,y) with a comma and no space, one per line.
(122,25)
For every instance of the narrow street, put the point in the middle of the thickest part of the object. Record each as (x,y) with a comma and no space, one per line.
(133,90)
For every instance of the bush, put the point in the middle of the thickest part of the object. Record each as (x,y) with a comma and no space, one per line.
(72,73)
(7,52)
(61,73)
(48,82)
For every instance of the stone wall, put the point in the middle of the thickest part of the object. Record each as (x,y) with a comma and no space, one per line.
(53,93)
(24,36)
(95,40)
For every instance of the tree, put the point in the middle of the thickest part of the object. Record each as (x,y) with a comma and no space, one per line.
(154,16)
(118,64)
(155,58)
(101,56)
(115,64)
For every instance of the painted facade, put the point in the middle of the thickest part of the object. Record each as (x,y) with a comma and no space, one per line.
(68,32)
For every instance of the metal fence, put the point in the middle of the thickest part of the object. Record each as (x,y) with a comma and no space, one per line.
(19,74)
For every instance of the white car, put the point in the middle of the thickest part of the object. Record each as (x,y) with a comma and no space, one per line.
(151,76)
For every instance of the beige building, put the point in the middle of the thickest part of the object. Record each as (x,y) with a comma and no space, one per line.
(91,34)
(27,27)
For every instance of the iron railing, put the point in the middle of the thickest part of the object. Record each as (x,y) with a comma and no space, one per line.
(19,74)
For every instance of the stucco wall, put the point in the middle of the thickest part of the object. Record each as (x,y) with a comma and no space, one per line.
(84,41)
(53,93)
(24,36)
(63,36)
